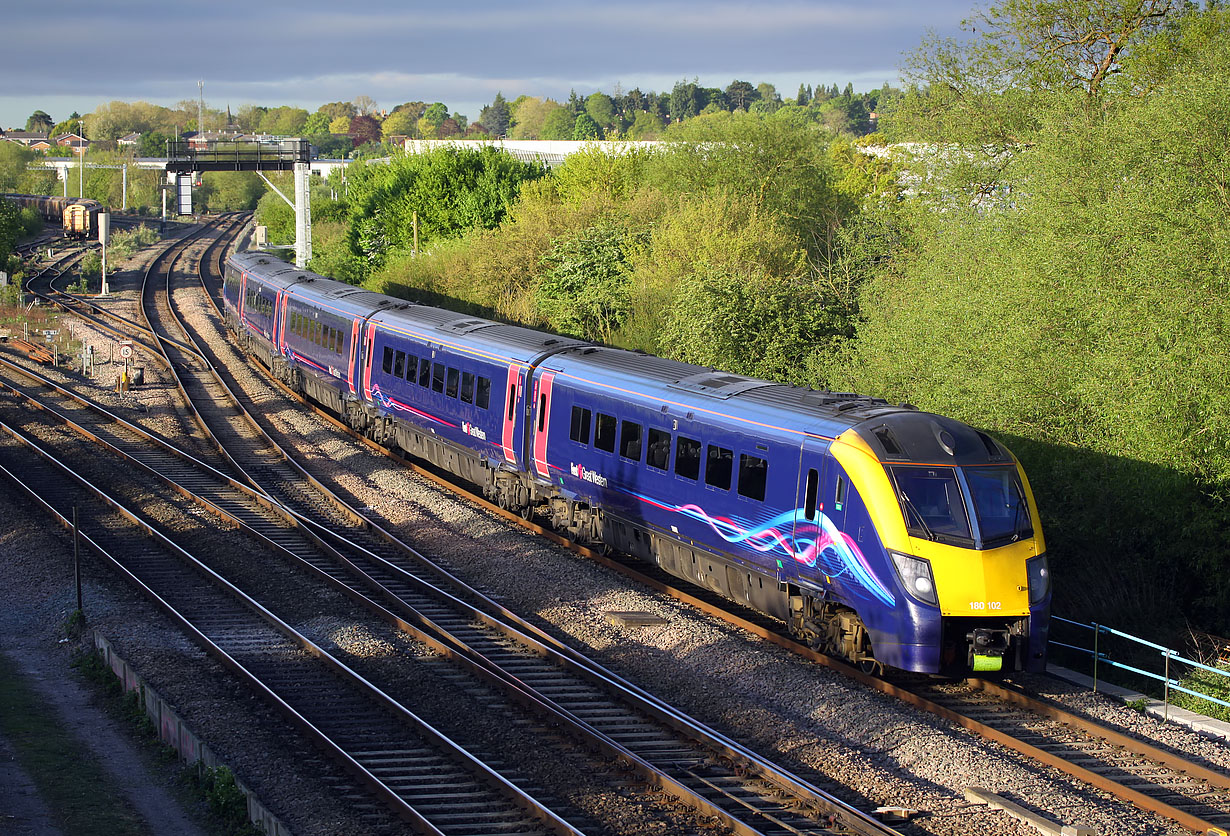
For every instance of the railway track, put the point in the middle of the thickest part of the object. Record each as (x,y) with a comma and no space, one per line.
(699,768)
(375,738)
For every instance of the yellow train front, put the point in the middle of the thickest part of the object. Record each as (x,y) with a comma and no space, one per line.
(948,514)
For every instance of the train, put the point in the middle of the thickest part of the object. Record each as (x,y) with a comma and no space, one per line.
(879,533)
(78,217)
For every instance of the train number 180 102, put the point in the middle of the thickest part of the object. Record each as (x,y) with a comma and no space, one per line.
(985,605)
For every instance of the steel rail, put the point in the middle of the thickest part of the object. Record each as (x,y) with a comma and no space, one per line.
(380,788)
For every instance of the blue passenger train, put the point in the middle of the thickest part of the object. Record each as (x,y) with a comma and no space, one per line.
(879,533)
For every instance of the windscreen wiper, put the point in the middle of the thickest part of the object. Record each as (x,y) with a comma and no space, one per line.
(917,515)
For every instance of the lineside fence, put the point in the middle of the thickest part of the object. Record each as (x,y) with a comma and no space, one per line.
(1145,664)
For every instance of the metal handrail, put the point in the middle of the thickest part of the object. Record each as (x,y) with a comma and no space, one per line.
(1169,655)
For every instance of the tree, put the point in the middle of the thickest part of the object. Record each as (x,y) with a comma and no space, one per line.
(451,190)
(559,123)
(14,157)
(449,127)
(1022,56)
(400,123)
(495,117)
(804,96)
(575,103)
(284,121)
(531,118)
(340,125)
(39,122)
(364,105)
(436,113)
(602,109)
(646,126)
(337,110)
(586,128)
(414,109)
(317,123)
(250,116)
(364,129)
(685,101)
(586,289)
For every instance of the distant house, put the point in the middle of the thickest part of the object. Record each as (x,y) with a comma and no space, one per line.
(40,145)
(26,138)
(75,142)
(129,139)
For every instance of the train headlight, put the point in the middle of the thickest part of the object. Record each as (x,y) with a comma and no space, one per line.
(1039,575)
(915,574)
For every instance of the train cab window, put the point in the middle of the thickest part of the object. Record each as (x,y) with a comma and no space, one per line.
(604,433)
(467,387)
(387,364)
(811,496)
(839,495)
(719,462)
(659,455)
(753,476)
(437,377)
(450,388)
(399,364)
(579,429)
(687,457)
(630,440)
(425,373)
(483,395)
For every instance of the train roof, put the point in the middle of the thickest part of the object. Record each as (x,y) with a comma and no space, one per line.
(751,399)
(511,343)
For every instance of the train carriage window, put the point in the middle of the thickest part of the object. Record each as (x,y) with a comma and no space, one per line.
(412,367)
(839,495)
(387,364)
(687,457)
(512,399)
(659,449)
(451,388)
(579,430)
(399,364)
(604,433)
(467,387)
(630,440)
(719,462)
(437,377)
(484,393)
(753,476)
(337,340)
(425,373)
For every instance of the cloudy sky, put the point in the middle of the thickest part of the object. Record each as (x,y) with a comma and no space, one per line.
(461,53)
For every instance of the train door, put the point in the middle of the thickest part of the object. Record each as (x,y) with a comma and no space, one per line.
(810,506)
(514,414)
(540,427)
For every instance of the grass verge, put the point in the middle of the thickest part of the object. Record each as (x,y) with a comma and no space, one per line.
(73,784)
